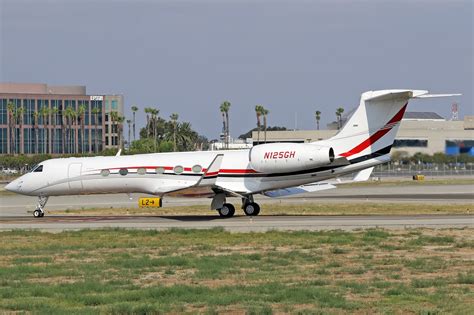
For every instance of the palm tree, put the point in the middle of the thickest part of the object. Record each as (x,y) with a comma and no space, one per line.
(120,120)
(225,107)
(44,112)
(129,131)
(339,112)
(318,118)
(11,125)
(265,113)
(96,111)
(174,119)
(69,114)
(148,112)
(36,129)
(114,118)
(258,112)
(134,110)
(81,112)
(19,117)
(54,112)
(154,119)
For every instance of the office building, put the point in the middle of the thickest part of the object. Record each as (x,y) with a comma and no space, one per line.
(45,119)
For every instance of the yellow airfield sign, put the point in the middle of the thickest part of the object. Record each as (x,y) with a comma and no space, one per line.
(146,202)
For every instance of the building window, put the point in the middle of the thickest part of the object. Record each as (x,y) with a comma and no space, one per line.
(3,111)
(411,143)
(106,140)
(114,105)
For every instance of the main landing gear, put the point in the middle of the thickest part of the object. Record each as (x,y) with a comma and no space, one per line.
(39,211)
(227,210)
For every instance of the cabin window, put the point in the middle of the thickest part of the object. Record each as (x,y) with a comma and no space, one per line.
(178,169)
(123,171)
(105,173)
(160,170)
(39,168)
(197,168)
(141,171)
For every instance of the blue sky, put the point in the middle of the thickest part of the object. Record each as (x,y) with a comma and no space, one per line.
(293,57)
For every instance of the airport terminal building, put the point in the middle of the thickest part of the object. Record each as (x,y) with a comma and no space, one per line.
(424,132)
(45,119)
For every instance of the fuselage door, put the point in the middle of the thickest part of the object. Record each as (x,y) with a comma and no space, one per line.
(74,176)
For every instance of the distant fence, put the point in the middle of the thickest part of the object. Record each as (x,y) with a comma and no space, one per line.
(397,170)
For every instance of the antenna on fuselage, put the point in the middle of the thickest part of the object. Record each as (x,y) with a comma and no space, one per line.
(118,153)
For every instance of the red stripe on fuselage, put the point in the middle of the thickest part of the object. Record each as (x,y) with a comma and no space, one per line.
(376,136)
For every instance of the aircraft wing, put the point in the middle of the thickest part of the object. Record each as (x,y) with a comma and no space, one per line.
(298,190)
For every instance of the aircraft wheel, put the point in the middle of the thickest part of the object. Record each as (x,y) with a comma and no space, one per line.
(227,210)
(38,213)
(252,208)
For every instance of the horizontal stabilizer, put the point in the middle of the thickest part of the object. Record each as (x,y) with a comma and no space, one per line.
(436,95)
(298,190)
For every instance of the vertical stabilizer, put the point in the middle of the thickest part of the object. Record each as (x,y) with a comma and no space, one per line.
(373,126)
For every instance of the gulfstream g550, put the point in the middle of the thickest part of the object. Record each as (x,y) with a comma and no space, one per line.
(275,169)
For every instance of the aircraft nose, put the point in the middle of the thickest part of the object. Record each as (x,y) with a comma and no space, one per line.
(13,186)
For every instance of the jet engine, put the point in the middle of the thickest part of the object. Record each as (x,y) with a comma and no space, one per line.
(289,157)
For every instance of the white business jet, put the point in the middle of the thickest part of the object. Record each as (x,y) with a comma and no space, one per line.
(274,169)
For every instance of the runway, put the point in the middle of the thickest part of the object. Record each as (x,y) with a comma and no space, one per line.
(237,223)
(15,211)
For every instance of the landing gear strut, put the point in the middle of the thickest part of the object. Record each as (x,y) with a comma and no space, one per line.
(39,212)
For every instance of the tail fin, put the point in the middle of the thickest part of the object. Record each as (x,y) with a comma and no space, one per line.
(373,126)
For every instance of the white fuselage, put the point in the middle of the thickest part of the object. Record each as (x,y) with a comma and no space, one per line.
(159,174)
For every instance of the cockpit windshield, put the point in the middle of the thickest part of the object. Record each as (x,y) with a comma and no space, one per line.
(37,168)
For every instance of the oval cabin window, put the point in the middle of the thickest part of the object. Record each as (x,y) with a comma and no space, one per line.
(178,169)
(141,171)
(105,173)
(197,168)
(160,170)
(123,171)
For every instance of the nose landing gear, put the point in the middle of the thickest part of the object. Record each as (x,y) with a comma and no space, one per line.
(39,211)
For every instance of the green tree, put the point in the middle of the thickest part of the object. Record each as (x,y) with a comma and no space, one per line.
(318,118)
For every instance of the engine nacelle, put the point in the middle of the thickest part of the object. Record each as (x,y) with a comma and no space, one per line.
(288,157)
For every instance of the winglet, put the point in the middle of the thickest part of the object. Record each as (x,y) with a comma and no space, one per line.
(363,175)
(210,176)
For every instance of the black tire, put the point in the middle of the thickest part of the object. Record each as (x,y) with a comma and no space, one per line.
(227,210)
(37,213)
(252,209)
